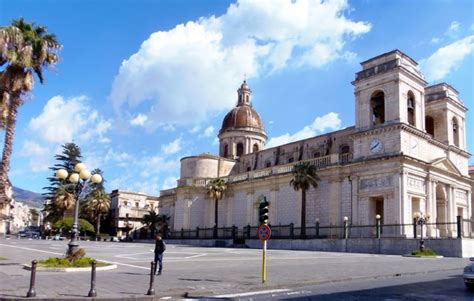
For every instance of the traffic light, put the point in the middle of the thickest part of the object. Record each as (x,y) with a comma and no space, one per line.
(263,211)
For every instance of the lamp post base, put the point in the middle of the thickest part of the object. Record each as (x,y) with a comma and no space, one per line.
(73,246)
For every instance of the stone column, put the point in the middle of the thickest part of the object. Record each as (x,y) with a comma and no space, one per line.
(451,211)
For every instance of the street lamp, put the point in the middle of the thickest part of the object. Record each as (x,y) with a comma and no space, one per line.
(421,220)
(80,183)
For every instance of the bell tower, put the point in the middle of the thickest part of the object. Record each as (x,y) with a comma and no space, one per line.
(389,90)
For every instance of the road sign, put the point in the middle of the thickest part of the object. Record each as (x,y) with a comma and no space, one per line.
(264,232)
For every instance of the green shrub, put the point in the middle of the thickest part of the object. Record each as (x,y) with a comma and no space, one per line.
(55,262)
(425,252)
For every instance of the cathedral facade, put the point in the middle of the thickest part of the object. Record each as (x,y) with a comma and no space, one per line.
(406,153)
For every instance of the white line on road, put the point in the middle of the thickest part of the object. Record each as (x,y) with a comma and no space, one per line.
(253,293)
(195,256)
(30,249)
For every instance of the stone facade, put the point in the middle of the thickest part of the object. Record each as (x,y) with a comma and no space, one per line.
(405,154)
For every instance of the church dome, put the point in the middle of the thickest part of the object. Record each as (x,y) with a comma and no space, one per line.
(242,116)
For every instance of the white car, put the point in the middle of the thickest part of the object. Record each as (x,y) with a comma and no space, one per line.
(469,274)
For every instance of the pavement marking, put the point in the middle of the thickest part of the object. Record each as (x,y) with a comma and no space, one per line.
(133,254)
(124,264)
(30,249)
(253,293)
(195,256)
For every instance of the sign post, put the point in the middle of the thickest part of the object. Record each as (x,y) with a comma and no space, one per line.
(264,233)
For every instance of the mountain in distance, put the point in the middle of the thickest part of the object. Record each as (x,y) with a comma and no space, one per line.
(30,198)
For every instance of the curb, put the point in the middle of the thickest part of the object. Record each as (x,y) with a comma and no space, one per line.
(69,270)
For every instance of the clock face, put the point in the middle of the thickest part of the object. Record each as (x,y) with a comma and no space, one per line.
(375,146)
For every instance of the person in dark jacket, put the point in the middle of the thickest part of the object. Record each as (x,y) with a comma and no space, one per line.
(160,248)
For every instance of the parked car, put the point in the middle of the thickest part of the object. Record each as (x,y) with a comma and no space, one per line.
(469,274)
(57,237)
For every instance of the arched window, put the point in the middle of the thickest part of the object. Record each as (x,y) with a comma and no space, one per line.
(316,154)
(411,108)
(429,124)
(248,168)
(226,150)
(268,164)
(377,105)
(455,131)
(255,147)
(240,149)
(291,160)
(345,149)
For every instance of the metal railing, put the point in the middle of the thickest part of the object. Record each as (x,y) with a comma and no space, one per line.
(458,229)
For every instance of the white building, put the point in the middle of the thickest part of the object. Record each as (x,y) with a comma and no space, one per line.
(128,208)
(406,153)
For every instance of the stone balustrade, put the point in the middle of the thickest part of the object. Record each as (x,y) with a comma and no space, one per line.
(320,163)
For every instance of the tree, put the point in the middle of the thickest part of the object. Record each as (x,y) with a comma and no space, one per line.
(151,220)
(25,49)
(55,208)
(215,190)
(66,225)
(97,203)
(304,176)
(63,200)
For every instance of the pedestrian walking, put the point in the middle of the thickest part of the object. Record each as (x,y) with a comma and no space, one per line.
(160,248)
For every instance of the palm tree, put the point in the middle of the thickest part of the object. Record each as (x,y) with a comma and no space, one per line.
(215,190)
(97,203)
(151,220)
(25,49)
(64,200)
(304,176)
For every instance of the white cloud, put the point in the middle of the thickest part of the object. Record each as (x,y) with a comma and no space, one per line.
(172,147)
(65,119)
(195,129)
(154,165)
(39,159)
(208,131)
(121,159)
(320,125)
(435,40)
(447,59)
(169,182)
(139,120)
(207,57)
(31,148)
(453,29)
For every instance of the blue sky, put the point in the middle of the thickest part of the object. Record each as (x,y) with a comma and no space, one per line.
(141,83)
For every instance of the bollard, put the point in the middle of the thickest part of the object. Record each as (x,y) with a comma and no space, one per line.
(92,292)
(248,231)
(234,230)
(151,290)
(31,291)
(292,230)
(317,229)
(197,232)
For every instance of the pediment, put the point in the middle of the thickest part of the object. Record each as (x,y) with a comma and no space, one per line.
(446,165)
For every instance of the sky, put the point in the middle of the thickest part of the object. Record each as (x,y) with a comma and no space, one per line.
(141,84)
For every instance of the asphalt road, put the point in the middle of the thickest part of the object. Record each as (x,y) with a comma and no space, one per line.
(225,273)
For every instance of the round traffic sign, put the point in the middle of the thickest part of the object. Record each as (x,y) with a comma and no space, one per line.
(264,232)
